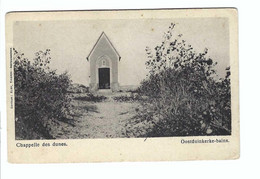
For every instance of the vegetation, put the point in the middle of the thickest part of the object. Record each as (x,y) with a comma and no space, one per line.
(40,95)
(91,98)
(128,98)
(185,97)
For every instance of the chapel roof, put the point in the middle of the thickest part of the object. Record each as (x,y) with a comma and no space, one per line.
(103,35)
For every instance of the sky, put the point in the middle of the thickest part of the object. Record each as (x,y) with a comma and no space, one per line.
(70,42)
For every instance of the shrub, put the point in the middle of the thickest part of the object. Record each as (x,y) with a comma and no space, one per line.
(91,98)
(128,98)
(184,95)
(40,94)
(78,88)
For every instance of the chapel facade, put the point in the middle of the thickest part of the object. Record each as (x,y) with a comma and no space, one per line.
(104,60)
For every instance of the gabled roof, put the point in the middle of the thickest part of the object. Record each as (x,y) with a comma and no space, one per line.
(103,34)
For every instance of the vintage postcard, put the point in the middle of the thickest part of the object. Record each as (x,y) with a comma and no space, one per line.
(122,85)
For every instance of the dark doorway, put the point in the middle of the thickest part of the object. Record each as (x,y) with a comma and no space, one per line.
(104,78)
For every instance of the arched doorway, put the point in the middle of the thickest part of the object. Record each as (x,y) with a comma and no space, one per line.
(103,72)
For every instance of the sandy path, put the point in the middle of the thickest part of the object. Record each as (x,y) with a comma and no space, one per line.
(106,121)
(110,121)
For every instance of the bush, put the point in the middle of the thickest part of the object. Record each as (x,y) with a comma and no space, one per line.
(184,96)
(78,88)
(40,94)
(128,98)
(91,98)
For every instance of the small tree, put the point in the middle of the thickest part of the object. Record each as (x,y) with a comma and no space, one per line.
(184,96)
(40,94)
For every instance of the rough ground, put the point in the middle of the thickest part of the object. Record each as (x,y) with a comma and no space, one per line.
(106,119)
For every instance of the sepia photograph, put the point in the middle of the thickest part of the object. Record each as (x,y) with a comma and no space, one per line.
(141,74)
(121,78)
